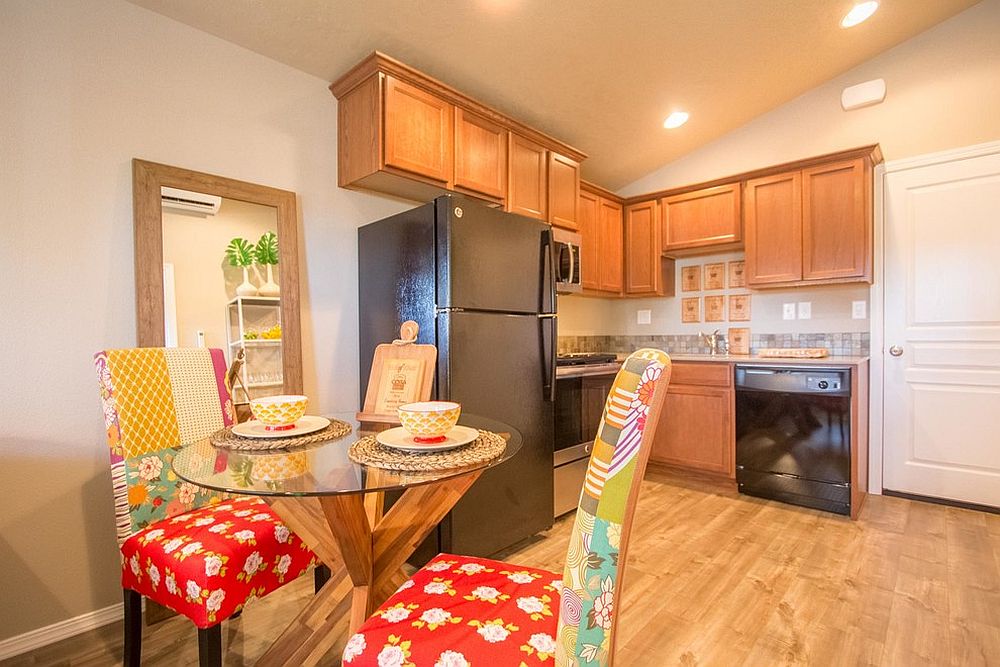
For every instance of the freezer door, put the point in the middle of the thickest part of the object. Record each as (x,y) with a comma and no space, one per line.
(495,365)
(491,260)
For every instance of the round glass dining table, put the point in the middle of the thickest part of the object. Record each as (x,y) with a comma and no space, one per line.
(319,469)
(335,506)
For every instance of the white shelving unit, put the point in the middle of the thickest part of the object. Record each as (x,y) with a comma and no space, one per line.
(263,368)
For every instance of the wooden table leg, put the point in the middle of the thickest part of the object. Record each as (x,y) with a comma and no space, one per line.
(365,562)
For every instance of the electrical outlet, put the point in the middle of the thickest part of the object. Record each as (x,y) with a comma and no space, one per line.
(643,316)
(805,310)
(859,310)
(788,312)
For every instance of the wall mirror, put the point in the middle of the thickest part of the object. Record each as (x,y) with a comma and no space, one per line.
(216,265)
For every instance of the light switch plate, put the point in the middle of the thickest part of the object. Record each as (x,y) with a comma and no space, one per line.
(859,310)
(643,316)
(805,310)
(788,312)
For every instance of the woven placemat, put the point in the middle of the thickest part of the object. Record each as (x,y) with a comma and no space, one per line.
(370,452)
(226,438)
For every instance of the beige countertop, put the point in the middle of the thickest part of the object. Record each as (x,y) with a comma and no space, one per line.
(765,361)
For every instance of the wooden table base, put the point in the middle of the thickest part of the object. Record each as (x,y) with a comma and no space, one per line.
(365,553)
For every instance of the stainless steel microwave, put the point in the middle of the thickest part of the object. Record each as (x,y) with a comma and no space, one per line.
(567,259)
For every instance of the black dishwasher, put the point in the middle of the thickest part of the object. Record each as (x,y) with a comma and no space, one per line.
(793,435)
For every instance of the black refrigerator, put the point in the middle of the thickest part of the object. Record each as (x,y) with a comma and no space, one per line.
(480,283)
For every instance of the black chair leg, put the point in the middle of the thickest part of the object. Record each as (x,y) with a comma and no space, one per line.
(133,628)
(210,646)
(321,575)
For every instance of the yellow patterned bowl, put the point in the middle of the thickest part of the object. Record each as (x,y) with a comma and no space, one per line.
(429,421)
(279,412)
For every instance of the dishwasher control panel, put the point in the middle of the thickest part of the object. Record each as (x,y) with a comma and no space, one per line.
(794,380)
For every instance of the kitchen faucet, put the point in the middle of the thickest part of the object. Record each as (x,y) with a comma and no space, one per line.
(716,345)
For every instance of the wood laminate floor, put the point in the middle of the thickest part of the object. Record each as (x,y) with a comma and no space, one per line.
(720,579)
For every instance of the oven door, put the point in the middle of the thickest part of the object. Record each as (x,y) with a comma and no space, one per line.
(579,407)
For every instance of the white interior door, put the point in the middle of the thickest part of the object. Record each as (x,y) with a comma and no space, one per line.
(942,313)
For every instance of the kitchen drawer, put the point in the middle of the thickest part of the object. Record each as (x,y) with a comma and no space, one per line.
(706,373)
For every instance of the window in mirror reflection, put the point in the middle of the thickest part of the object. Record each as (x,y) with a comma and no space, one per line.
(220,282)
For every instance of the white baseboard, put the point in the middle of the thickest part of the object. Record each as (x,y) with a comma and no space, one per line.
(50,634)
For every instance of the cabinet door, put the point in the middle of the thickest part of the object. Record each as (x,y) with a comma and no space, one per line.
(836,234)
(590,241)
(701,218)
(480,154)
(418,131)
(564,191)
(696,429)
(527,180)
(609,225)
(642,248)
(773,216)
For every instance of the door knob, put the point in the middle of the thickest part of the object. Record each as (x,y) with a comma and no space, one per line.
(896,351)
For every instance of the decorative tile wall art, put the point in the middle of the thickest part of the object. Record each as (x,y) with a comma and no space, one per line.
(691,309)
(739,307)
(737,273)
(739,340)
(691,278)
(715,308)
(715,276)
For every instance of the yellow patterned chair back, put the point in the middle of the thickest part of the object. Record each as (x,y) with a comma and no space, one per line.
(592,579)
(156,400)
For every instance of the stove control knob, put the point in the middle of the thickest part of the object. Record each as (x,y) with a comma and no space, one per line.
(823,384)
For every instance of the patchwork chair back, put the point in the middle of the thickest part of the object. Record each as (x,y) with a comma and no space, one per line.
(595,560)
(155,400)
(200,553)
(498,613)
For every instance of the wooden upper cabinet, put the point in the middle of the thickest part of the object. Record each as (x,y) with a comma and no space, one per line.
(590,241)
(773,217)
(564,191)
(836,236)
(609,225)
(527,182)
(418,131)
(702,220)
(645,271)
(480,155)
(407,134)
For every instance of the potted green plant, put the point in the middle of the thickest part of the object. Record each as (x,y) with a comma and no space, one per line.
(241,253)
(266,252)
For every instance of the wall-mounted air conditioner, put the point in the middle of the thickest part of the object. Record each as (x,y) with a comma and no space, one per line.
(193,202)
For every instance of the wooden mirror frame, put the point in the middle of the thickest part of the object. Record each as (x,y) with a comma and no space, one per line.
(147,179)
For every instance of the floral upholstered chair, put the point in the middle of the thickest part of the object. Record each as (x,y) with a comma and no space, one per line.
(458,610)
(191,550)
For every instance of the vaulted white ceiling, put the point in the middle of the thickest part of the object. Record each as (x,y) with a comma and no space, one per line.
(600,75)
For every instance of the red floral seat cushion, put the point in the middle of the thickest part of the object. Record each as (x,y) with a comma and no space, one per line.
(458,611)
(208,563)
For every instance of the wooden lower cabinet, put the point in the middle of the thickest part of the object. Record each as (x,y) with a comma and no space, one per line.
(697,425)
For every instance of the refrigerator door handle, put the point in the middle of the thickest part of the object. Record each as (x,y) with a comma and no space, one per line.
(549,355)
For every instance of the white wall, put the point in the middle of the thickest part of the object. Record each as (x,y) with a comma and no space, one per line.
(943,91)
(86,86)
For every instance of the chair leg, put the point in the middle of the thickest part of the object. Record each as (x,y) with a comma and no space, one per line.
(321,575)
(133,628)
(210,646)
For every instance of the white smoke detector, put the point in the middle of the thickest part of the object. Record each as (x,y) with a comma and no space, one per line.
(863,94)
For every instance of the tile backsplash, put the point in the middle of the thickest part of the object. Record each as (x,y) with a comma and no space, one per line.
(839,344)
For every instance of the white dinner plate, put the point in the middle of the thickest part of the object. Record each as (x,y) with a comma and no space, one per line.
(398,438)
(305,425)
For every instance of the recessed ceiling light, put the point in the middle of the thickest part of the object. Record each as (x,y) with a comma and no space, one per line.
(676,119)
(860,12)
